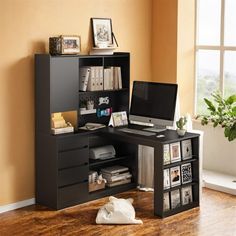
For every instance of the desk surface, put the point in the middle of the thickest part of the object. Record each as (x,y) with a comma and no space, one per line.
(169,136)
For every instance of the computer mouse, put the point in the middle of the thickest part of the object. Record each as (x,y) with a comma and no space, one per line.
(160,136)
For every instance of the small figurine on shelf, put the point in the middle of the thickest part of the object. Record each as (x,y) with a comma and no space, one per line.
(181,126)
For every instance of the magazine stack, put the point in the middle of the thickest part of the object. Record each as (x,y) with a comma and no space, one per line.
(116,175)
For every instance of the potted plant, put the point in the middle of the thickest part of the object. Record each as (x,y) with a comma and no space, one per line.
(181,126)
(83,105)
(222,113)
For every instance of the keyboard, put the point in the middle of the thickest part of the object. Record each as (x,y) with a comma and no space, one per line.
(136,131)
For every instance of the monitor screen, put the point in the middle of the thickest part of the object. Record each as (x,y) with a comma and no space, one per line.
(153,102)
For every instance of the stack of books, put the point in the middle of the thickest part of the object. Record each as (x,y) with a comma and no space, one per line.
(116,175)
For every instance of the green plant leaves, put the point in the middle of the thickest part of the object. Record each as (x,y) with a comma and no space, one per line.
(223,113)
(210,105)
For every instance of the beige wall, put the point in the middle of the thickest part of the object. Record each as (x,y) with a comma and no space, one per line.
(185,55)
(164,41)
(173,47)
(25,26)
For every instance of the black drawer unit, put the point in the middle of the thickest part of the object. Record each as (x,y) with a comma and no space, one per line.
(72,158)
(72,143)
(73,175)
(72,195)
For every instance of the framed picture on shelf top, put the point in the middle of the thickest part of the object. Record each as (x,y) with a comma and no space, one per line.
(175,155)
(102,32)
(186,147)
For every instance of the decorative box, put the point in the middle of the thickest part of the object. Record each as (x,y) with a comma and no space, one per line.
(95,186)
(64,44)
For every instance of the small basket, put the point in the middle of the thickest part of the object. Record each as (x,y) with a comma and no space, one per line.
(95,186)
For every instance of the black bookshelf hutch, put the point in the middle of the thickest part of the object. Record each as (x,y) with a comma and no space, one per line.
(62,161)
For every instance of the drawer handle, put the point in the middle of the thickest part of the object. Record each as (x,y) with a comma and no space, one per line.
(73,149)
(86,163)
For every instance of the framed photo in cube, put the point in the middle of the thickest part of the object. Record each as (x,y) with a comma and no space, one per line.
(102,32)
(187,195)
(186,147)
(175,179)
(166,154)
(166,178)
(175,154)
(175,199)
(166,201)
(186,173)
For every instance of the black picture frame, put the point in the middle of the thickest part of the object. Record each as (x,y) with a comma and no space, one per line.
(102,32)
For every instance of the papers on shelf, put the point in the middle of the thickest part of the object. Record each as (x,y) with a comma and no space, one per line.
(92,126)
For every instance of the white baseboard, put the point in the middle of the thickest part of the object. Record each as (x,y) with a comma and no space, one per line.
(220,182)
(17,205)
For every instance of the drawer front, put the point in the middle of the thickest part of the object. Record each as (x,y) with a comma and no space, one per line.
(73,175)
(71,195)
(73,158)
(70,143)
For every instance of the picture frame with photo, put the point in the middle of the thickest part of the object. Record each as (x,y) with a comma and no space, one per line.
(175,178)
(186,147)
(175,154)
(175,199)
(186,173)
(118,119)
(166,178)
(102,32)
(166,154)
(166,201)
(187,195)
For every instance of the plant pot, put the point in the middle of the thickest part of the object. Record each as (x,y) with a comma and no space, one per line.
(181,132)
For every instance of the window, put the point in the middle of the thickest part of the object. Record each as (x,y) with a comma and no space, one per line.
(215,49)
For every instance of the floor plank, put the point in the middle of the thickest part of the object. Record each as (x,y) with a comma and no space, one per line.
(216,216)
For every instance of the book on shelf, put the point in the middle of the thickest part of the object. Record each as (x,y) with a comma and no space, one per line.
(84,73)
(187,195)
(68,129)
(125,181)
(166,154)
(92,126)
(186,173)
(166,201)
(112,78)
(114,178)
(114,170)
(175,176)
(175,155)
(166,178)
(186,147)
(102,51)
(175,198)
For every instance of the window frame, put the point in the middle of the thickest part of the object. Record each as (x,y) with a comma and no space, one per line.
(221,48)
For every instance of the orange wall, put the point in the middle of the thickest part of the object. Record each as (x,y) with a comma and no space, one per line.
(185,55)
(25,26)
(173,47)
(164,41)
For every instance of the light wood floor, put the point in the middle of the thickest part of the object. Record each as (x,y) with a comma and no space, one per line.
(216,216)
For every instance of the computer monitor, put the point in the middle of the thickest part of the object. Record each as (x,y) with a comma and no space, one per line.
(153,103)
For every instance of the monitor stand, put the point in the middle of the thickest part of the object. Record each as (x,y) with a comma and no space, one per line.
(156,128)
